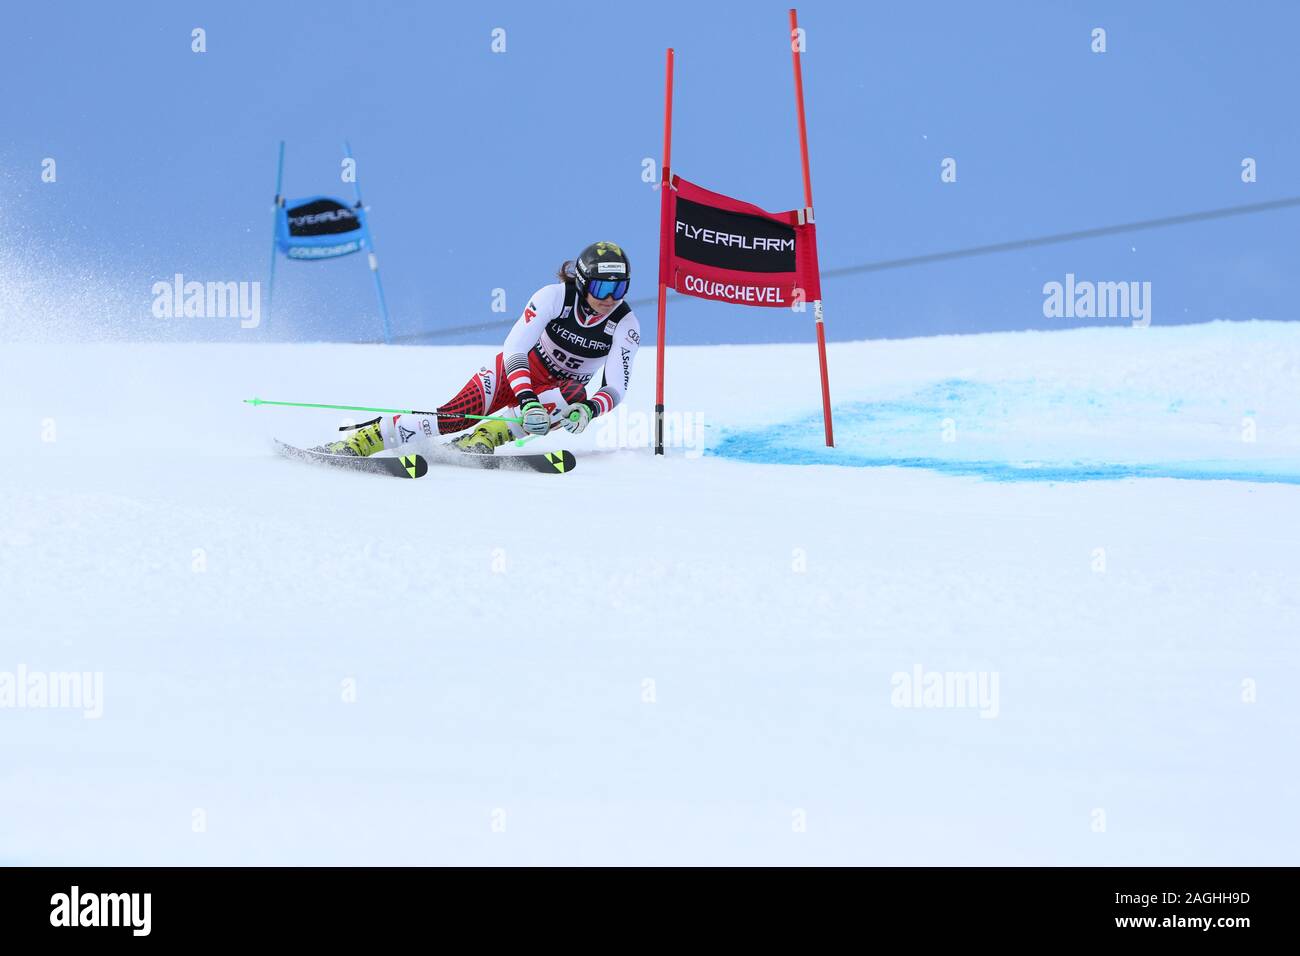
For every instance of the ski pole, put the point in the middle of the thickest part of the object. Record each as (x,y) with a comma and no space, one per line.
(367,408)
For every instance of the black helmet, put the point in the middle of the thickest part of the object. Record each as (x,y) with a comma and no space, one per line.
(603,270)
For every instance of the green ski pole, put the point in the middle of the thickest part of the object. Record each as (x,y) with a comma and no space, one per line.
(368,408)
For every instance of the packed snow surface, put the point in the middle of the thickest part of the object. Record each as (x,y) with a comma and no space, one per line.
(1040,604)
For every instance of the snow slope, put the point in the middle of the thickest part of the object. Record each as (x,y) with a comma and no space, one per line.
(691,659)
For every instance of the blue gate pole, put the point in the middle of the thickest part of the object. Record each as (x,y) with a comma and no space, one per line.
(275,215)
(374,259)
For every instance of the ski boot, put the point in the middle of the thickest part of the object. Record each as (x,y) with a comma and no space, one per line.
(364,441)
(485,439)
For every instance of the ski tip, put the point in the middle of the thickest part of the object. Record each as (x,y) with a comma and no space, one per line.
(414,466)
(551,462)
(561,461)
(401,466)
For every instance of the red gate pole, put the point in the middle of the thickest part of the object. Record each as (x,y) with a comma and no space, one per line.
(807,199)
(664,186)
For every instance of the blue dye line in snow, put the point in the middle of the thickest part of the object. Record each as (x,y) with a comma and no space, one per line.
(1014,431)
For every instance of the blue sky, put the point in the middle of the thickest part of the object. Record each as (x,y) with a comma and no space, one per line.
(483,170)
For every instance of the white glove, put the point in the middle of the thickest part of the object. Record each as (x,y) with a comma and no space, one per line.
(537,420)
(577,416)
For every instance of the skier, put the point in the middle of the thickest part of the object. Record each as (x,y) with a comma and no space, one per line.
(569,331)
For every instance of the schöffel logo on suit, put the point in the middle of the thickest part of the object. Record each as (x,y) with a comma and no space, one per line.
(731,240)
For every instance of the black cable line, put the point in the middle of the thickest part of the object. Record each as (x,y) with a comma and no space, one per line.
(970,251)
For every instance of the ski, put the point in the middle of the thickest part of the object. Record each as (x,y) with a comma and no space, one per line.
(403,466)
(548,463)
(416,466)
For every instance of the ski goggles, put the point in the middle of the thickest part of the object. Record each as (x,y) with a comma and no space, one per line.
(604,288)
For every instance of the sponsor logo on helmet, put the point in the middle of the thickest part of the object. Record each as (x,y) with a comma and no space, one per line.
(618,267)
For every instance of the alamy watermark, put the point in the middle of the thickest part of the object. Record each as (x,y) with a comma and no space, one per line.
(129,910)
(58,690)
(1083,299)
(622,428)
(946,690)
(179,299)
